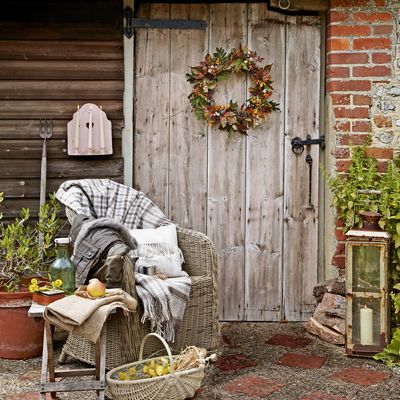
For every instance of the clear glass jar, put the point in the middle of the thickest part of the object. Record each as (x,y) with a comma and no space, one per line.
(62,267)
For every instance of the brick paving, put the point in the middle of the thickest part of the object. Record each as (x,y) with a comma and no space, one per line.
(29,396)
(301,360)
(361,376)
(256,361)
(293,342)
(234,362)
(322,396)
(254,386)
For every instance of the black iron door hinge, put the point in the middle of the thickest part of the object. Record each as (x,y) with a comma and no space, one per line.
(131,23)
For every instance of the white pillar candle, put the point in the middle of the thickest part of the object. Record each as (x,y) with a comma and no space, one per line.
(366,326)
(90,135)
(101,130)
(77,136)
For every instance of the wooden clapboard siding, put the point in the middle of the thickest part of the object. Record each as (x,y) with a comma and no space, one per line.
(58,31)
(264,174)
(56,109)
(24,188)
(55,55)
(301,118)
(56,148)
(66,11)
(30,168)
(61,90)
(61,20)
(248,193)
(56,69)
(28,129)
(58,50)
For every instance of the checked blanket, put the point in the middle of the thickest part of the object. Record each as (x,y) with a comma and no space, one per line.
(105,198)
(164,301)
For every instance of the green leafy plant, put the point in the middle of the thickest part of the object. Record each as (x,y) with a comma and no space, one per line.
(363,175)
(21,251)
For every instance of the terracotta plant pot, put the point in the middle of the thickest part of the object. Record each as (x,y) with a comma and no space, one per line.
(20,336)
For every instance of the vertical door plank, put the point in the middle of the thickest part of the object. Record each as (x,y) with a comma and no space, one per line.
(226,169)
(302,118)
(264,186)
(188,135)
(151,153)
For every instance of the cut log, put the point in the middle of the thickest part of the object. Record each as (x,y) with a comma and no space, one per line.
(323,313)
(331,302)
(325,333)
(336,312)
(336,286)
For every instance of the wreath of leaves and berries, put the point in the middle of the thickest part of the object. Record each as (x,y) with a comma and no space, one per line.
(230,117)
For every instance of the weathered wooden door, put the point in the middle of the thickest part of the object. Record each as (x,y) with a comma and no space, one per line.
(250,194)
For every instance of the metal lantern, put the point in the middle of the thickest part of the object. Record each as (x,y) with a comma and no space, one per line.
(367,294)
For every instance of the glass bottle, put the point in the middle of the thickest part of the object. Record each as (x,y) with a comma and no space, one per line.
(62,267)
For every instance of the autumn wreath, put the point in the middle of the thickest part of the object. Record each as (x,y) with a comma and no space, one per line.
(217,67)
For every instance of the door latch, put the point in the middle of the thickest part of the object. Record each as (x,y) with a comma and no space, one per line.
(309,161)
(298,143)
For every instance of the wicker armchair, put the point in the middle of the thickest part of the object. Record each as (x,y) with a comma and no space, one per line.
(200,323)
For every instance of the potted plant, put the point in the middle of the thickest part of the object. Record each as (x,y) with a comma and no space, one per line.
(26,251)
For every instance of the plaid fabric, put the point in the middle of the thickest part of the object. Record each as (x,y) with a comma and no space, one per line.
(105,198)
(164,302)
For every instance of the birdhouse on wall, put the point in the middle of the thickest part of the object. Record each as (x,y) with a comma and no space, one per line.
(89,132)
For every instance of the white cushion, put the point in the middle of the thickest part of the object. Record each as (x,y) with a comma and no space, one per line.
(159,247)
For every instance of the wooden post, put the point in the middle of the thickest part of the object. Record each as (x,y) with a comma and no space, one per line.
(127,131)
(304,5)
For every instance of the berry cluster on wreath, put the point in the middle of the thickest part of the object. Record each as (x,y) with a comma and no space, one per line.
(230,117)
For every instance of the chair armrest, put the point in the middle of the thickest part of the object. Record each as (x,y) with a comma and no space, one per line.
(199,253)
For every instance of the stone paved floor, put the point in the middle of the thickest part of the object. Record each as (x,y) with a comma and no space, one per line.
(256,361)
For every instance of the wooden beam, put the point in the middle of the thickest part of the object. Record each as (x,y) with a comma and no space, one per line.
(303,5)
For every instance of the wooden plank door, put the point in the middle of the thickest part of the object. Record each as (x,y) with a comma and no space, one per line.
(300,228)
(265,177)
(249,194)
(226,180)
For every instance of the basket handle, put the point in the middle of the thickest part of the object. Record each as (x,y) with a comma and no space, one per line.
(162,340)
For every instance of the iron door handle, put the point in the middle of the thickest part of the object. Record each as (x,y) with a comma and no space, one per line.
(298,143)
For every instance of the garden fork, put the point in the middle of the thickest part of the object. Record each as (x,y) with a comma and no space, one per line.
(45,132)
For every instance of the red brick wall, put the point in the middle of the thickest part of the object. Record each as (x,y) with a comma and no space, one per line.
(360,55)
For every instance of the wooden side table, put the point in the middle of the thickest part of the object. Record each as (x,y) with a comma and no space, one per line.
(48,374)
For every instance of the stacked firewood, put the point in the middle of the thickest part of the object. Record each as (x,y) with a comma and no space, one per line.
(328,320)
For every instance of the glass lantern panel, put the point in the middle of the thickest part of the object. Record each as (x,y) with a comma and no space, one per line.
(366,321)
(366,269)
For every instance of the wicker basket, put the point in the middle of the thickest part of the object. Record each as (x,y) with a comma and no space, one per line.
(174,386)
